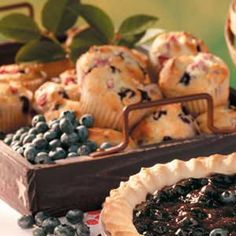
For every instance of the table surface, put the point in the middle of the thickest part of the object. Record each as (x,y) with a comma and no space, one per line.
(9,227)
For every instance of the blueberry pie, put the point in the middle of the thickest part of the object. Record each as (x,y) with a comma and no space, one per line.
(202,73)
(197,197)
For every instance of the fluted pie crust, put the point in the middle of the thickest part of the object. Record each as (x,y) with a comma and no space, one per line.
(117,213)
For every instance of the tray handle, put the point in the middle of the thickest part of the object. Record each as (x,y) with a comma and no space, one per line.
(201,96)
(25,5)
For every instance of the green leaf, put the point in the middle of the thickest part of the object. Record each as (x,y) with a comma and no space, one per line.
(57,16)
(130,40)
(19,27)
(83,41)
(40,51)
(150,35)
(98,20)
(136,24)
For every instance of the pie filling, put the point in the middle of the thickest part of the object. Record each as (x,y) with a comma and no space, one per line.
(191,207)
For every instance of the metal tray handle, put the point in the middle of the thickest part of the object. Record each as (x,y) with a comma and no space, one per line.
(138,106)
(25,5)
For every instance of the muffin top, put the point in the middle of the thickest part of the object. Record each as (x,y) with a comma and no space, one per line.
(174,44)
(117,58)
(21,71)
(224,117)
(11,93)
(168,122)
(203,73)
(116,89)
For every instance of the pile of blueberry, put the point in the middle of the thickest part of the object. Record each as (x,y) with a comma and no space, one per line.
(44,224)
(44,143)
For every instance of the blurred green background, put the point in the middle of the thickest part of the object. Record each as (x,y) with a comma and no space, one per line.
(203,18)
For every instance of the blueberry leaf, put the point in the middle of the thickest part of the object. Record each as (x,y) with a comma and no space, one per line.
(40,51)
(57,16)
(83,41)
(98,20)
(19,27)
(136,24)
(130,40)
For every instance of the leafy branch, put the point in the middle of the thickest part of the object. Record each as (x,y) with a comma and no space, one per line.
(45,44)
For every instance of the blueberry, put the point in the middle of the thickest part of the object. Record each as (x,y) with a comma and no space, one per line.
(15,143)
(39,232)
(38,118)
(66,126)
(159,229)
(75,216)
(73,148)
(50,135)
(105,145)
(52,122)
(219,232)
(87,120)
(22,130)
(84,150)
(188,221)
(43,158)
(56,128)
(57,154)
(26,222)
(182,232)
(83,230)
(64,230)
(40,217)
(29,138)
(198,213)
(82,133)
(16,137)
(15,147)
(41,127)
(220,180)
(50,224)
(33,131)
(54,144)
(185,79)
(30,154)
(72,154)
(92,145)
(69,139)
(161,215)
(228,197)
(70,115)
(40,143)
(23,136)
(20,150)
(8,139)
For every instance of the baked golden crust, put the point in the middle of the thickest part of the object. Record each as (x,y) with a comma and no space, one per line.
(223,117)
(203,73)
(174,44)
(99,136)
(168,122)
(29,75)
(117,213)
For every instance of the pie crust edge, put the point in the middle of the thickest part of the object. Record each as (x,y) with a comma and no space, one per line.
(117,213)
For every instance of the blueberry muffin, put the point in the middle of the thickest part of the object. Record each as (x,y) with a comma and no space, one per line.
(203,73)
(174,44)
(51,93)
(105,91)
(31,76)
(223,117)
(169,122)
(117,58)
(113,137)
(61,106)
(15,103)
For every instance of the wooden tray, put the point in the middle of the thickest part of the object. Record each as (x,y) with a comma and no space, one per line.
(85,182)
